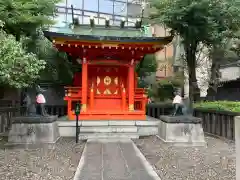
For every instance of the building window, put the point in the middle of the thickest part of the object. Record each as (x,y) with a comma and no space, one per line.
(106,6)
(120,8)
(91,5)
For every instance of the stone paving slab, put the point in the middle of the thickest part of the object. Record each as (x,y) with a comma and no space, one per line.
(112,160)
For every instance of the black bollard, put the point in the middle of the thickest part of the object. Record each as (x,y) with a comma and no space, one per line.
(77,112)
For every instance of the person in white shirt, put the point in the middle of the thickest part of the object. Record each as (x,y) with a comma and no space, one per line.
(177,99)
(177,104)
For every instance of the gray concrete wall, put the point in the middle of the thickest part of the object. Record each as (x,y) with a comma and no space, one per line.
(181,134)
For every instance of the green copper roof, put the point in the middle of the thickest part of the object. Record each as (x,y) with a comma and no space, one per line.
(103,31)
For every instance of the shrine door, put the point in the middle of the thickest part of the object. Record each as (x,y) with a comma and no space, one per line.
(106,84)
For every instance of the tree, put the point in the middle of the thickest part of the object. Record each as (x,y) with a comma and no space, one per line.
(23,17)
(25,21)
(17,67)
(197,22)
(147,66)
(58,69)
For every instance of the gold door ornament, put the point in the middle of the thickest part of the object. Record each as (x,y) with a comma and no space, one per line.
(116,80)
(116,92)
(131,107)
(98,92)
(107,91)
(107,80)
(98,80)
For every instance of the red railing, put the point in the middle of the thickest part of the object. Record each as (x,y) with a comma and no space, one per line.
(73,92)
(140,99)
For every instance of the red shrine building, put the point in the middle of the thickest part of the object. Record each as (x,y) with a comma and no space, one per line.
(106,86)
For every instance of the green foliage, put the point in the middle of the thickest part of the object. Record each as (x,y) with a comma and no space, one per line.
(25,21)
(208,22)
(176,81)
(165,92)
(167,87)
(23,17)
(147,66)
(164,89)
(58,67)
(151,92)
(17,67)
(219,106)
(235,44)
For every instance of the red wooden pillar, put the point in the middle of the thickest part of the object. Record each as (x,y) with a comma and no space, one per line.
(84,84)
(69,107)
(92,97)
(131,86)
(123,99)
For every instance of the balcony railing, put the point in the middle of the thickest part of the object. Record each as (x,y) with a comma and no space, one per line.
(73,92)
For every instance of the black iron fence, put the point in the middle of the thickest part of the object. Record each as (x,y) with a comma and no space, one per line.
(6,115)
(8,103)
(157,109)
(217,123)
(60,110)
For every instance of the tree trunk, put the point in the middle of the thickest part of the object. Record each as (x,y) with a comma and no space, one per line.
(214,79)
(17,36)
(194,91)
(212,89)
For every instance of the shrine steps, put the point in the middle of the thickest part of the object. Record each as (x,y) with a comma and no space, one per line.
(109,129)
(109,115)
(108,136)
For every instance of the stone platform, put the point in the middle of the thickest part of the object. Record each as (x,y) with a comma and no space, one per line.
(33,131)
(181,130)
(107,129)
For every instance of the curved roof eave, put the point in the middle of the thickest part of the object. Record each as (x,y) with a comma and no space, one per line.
(162,40)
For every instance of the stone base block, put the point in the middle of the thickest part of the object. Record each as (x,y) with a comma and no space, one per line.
(147,131)
(41,130)
(180,131)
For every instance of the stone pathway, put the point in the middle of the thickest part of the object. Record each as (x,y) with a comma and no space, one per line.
(107,160)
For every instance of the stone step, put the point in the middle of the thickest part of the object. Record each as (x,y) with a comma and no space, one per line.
(108,129)
(108,123)
(84,136)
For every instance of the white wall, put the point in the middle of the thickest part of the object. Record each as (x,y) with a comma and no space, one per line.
(230,73)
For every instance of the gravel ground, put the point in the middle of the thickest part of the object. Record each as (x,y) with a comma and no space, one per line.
(42,163)
(216,162)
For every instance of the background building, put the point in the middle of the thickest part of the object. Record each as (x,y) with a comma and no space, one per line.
(229,87)
(115,10)
(165,57)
